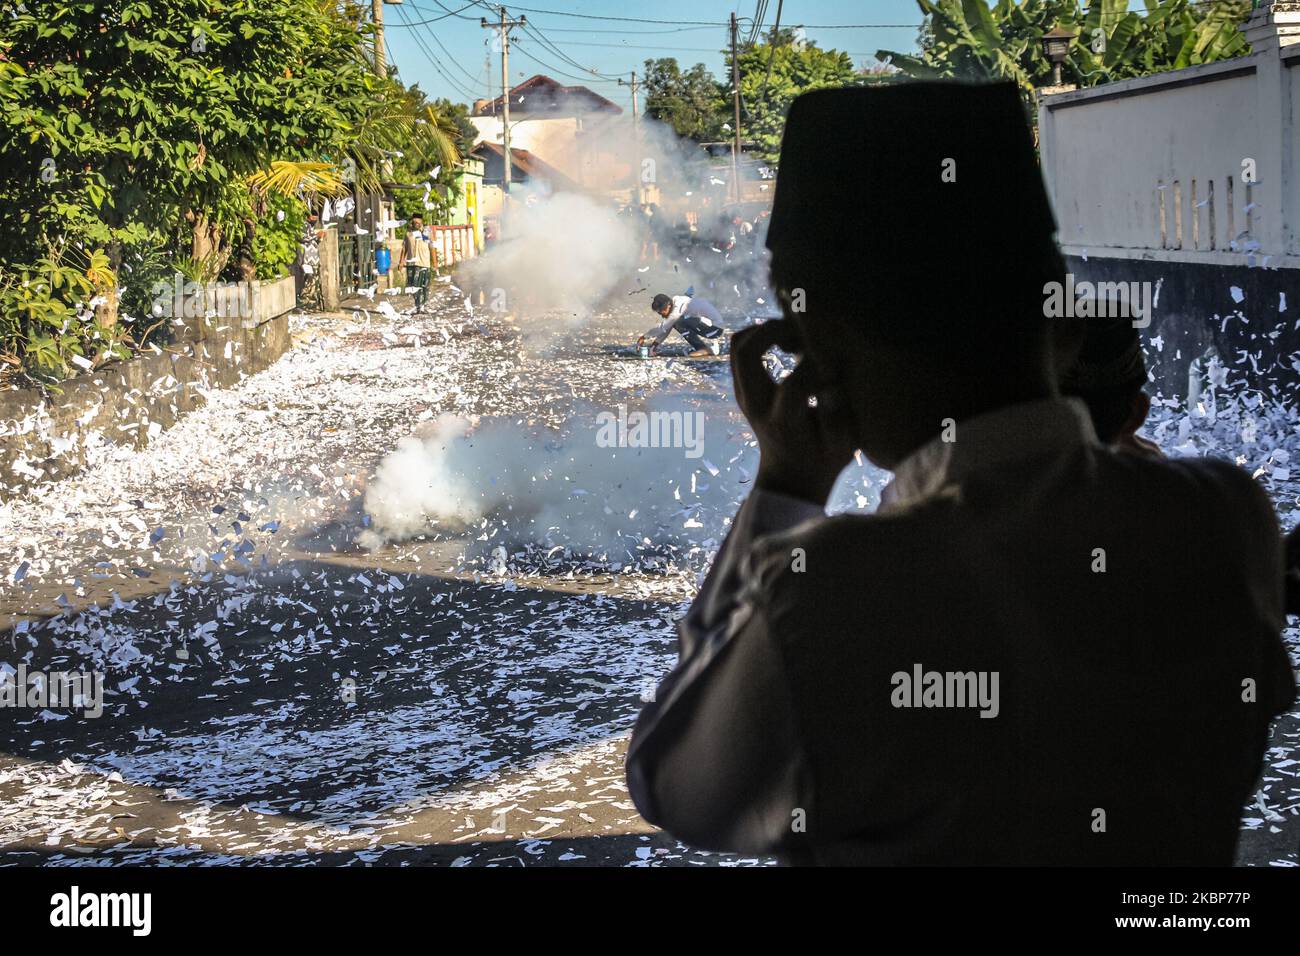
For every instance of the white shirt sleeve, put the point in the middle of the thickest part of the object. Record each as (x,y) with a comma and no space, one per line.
(716,758)
(660,332)
(764,512)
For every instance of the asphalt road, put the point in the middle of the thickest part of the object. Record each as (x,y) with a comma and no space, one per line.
(278,693)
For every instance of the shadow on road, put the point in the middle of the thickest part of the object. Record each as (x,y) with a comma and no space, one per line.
(332,694)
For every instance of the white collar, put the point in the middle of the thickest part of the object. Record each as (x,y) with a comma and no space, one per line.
(1025,431)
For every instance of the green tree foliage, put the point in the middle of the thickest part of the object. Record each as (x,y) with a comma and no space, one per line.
(47,312)
(689,101)
(275,243)
(454,118)
(122,113)
(969,39)
(797,66)
(135,126)
(772,74)
(1117,44)
(455,137)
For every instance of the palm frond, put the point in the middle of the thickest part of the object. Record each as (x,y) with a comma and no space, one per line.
(298,179)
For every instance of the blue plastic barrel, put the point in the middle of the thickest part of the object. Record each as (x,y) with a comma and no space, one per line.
(383,259)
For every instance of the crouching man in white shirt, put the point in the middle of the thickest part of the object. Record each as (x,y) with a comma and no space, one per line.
(694,318)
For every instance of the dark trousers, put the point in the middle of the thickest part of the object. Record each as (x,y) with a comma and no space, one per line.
(695,331)
(418,276)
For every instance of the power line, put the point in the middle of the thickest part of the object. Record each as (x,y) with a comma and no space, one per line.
(860,26)
(550,45)
(433,61)
(640,33)
(559,72)
(591,16)
(771,53)
(684,25)
(632,47)
(760,13)
(449,13)
(711,23)
(473,79)
(644,46)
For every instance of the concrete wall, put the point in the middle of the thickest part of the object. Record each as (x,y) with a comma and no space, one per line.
(1155,163)
(43,436)
(452,244)
(465,211)
(1187,180)
(248,305)
(1193,165)
(489,201)
(1245,317)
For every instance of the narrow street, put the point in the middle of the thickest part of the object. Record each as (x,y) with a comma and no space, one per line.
(289,679)
(275,691)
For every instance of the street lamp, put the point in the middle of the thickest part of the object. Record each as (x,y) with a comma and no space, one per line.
(1055,47)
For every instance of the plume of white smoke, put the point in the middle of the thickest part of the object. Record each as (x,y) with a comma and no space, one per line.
(562,252)
(530,485)
(565,247)
(567,487)
(424,484)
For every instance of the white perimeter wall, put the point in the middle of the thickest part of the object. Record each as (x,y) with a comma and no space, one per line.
(1153,168)
(1113,165)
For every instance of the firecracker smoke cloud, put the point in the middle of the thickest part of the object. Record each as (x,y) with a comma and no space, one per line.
(563,253)
(558,487)
(561,488)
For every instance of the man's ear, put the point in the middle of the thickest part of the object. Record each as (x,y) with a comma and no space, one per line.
(1067,341)
(1138,413)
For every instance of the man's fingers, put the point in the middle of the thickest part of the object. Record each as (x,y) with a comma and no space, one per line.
(755,389)
(828,420)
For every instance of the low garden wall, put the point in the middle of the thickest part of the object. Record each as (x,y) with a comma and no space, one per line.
(43,435)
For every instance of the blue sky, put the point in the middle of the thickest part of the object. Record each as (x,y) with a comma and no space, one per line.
(568,38)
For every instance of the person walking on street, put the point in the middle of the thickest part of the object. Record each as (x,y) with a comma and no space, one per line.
(418,259)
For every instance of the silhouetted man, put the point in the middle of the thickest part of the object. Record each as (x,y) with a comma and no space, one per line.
(1039,649)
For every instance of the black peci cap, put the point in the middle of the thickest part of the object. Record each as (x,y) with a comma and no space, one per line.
(921,201)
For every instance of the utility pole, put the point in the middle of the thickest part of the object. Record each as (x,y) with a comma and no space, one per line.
(636,135)
(504,25)
(735,103)
(634,83)
(377,15)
